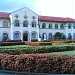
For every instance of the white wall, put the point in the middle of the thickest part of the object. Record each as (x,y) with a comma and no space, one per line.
(65,31)
(25,11)
(21,13)
(4,30)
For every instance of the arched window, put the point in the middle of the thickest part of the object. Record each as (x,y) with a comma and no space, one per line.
(16,23)
(43,25)
(5,37)
(34,35)
(74,35)
(69,36)
(74,25)
(5,24)
(25,24)
(17,35)
(56,26)
(33,23)
(50,26)
(44,36)
(69,26)
(50,36)
(61,26)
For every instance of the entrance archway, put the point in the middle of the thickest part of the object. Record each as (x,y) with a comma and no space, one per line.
(25,37)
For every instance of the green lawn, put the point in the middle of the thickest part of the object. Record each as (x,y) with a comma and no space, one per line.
(64,53)
(14,46)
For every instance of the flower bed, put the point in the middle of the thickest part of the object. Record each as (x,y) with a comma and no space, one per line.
(39,63)
(63,41)
(38,43)
(11,43)
(27,43)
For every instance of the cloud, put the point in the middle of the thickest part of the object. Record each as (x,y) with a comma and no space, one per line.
(63,8)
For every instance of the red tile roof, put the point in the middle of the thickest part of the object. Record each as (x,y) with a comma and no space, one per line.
(4,15)
(55,19)
(42,18)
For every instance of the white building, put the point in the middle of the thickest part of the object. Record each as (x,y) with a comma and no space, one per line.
(26,25)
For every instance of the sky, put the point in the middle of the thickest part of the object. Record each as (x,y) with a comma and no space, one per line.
(57,8)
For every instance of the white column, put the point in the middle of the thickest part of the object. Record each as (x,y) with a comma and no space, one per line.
(29,37)
(66,30)
(37,31)
(72,31)
(12,25)
(21,25)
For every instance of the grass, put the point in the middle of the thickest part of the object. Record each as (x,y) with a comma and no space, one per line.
(64,53)
(15,46)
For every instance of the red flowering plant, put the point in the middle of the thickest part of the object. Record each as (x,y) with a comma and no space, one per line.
(40,63)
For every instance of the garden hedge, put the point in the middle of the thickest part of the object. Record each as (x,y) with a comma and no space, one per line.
(39,63)
(36,49)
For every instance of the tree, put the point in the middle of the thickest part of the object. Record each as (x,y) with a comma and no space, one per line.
(58,35)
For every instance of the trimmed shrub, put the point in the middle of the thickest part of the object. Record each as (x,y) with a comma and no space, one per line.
(2,56)
(40,63)
(35,49)
(14,40)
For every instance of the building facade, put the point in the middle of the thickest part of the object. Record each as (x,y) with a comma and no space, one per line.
(26,25)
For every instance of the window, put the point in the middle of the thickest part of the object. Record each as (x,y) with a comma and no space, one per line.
(69,26)
(56,26)
(17,36)
(34,35)
(43,25)
(16,23)
(5,24)
(5,37)
(39,26)
(61,26)
(69,36)
(44,36)
(74,25)
(25,16)
(33,17)
(16,16)
(50,36)
(25,24)
(34,24)
(74,35)
(50,26)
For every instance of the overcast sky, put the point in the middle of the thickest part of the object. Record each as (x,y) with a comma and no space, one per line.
(58,8)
